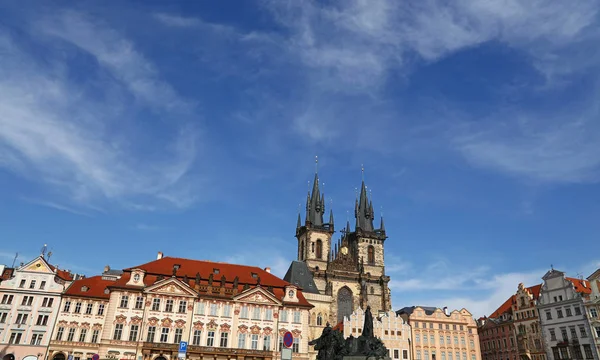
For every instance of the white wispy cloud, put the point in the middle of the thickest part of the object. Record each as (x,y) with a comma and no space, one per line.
(59,132)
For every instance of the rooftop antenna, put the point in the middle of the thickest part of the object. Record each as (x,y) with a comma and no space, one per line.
(15,260)
(49,255)
(551,266)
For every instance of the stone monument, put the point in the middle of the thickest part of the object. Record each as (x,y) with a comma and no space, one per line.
(332,346)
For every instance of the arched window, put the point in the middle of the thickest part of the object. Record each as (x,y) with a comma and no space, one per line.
(312,247)
(345,303)
(319,319)
(371,255)
(319,254)
(301,257)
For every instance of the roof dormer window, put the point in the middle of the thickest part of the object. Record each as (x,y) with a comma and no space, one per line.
(216,271)
(84,288)
(254,275)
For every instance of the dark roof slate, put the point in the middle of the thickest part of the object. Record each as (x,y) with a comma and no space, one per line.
(299,275)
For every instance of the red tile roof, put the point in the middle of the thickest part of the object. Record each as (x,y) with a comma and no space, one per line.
(188,267)
(581,286)
(535,291)
(92,287)
(65,275)
(339,327)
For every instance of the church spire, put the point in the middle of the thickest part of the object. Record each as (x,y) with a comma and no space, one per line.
(364,209)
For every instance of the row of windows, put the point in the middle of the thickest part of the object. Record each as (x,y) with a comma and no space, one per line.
(559,312)
(83,335)
(431,339)
(572,353)
(32,284)
(16,337)
(526,314)
(565,335)
(397,354)
(496,330)
(197,337)
(78,307)
(491,344)
(443,355)
(440,326)
(26,300)
(21,318)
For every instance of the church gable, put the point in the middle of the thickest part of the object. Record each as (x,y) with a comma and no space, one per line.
(38,265)
(170,286)
(259,296)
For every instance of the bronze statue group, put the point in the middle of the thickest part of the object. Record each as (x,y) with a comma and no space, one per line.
(332,345)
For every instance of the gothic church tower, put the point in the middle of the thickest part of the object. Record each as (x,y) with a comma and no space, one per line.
(351,270)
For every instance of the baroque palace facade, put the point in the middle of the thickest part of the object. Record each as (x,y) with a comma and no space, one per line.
(224,311)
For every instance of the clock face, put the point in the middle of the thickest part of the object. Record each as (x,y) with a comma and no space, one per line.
(345,250)
(136,277)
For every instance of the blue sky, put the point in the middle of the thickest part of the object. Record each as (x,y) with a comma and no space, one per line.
(191,128)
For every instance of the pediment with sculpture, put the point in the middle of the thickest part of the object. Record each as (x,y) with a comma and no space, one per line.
(172,287)
(257,295)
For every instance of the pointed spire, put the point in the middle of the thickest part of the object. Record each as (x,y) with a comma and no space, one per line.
(382,226)
(331,217)
(299,224)
(364,209)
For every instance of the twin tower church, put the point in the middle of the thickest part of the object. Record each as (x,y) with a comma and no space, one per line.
(340,275)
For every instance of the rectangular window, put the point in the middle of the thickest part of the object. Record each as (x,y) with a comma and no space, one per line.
(182,307)
(224,337)
(417,338)
(432,339)
(588,351)
(3,318)
(425,352)
(471,343)
(118,332)
(256,313)
(124,301)
(133,332)
(593,313)
(463,343)
(582,331)
(42,285)
(267,343)
(42,320)
(254,341)
(552,335)
(213,309)
(164,335)
(405,355)
(419,355)
(178,336)
(169,305)
(47,302)
(82,335)
(71,334)
(441,339)
(577,352)
(577,310)
(568,311)
(7,299)
(559,313)
(244,312)
(268,314)
(210,338)
(77,308)
(200,308)
(151,334)
(139,302)
(27,301)
(548,315)
(155,304)
(36,339)
(443,355)
(573,332)
(242,341)
(456,340)
(297,317)
(89,308)
(296,345)
(15,337)
(197,337)
(597,328)
(449,355)
(22,284)
(227,310)
(448,342)
(21,319)
(283,315)
(100,309)
(95,335)
(59,333)
(32,284)
(425,339)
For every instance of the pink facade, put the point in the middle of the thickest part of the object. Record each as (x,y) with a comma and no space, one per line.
(29,301)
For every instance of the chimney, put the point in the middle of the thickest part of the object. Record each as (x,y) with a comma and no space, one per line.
(268,269)
(106,268)
(446,311)
(159,256)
